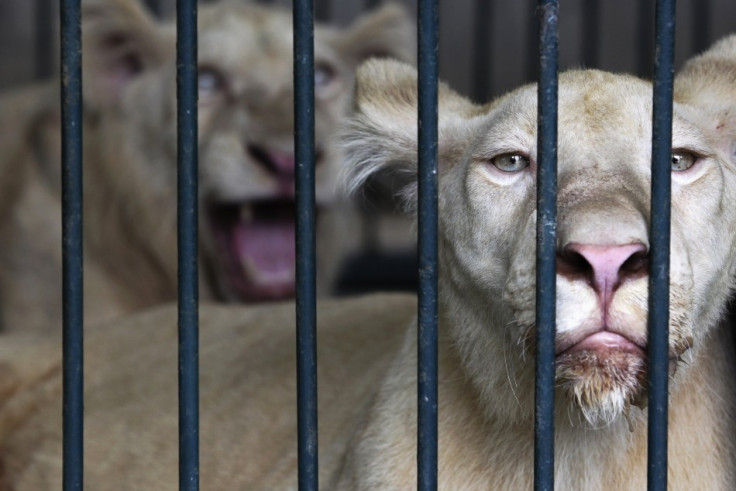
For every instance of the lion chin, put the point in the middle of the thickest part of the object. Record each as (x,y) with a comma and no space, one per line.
(602,385)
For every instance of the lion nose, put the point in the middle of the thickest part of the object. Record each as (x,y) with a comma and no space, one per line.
(605,267)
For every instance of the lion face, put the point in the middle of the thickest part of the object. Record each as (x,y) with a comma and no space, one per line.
(487,214)
(246,128)
(603,235)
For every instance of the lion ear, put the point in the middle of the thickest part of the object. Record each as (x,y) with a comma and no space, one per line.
(387,32)
(120,41)
(382,132)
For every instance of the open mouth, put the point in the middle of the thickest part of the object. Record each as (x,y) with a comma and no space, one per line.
(255,248)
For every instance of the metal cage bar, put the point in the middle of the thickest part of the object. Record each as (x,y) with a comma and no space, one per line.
(43,39)
(482,49)
(154,6)
(546,247)
(188,314)
(428,46)
(591,27)
(73,284)
(700,26)
(306,309)
(659,236)
(322,9)
(531,51)
(644,38)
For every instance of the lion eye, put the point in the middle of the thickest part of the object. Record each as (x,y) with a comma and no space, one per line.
(209,81)
(324,75)
(510,162)
(682,160)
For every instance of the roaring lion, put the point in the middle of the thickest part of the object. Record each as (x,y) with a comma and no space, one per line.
(246,160)
(367,369)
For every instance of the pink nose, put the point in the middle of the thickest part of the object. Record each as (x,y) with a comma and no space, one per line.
(604,266)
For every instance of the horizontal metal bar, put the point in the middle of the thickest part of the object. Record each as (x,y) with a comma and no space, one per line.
(188,309)
(73,284)
(306,310)
(658,344)
(428,46)
(546,247)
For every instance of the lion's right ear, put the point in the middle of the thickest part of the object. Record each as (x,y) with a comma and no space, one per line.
(120,41)
(382,133)
(386,32)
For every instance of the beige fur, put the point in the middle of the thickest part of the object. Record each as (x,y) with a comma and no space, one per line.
(245,134)
(368,362)
(130,395)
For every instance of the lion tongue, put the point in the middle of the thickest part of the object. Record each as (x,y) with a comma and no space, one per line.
(266,251)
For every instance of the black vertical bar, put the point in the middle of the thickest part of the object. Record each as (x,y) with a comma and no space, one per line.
(428,45)
(644,45)
(322,10)
(532,34)
(155,7)
(186,85)
(544,432)
(591,23)
(73,285)
(700,25)
(482,63)
(43,39)
(306,311)
(658,345)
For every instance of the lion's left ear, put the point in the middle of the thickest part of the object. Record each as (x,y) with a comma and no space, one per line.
(388,32)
